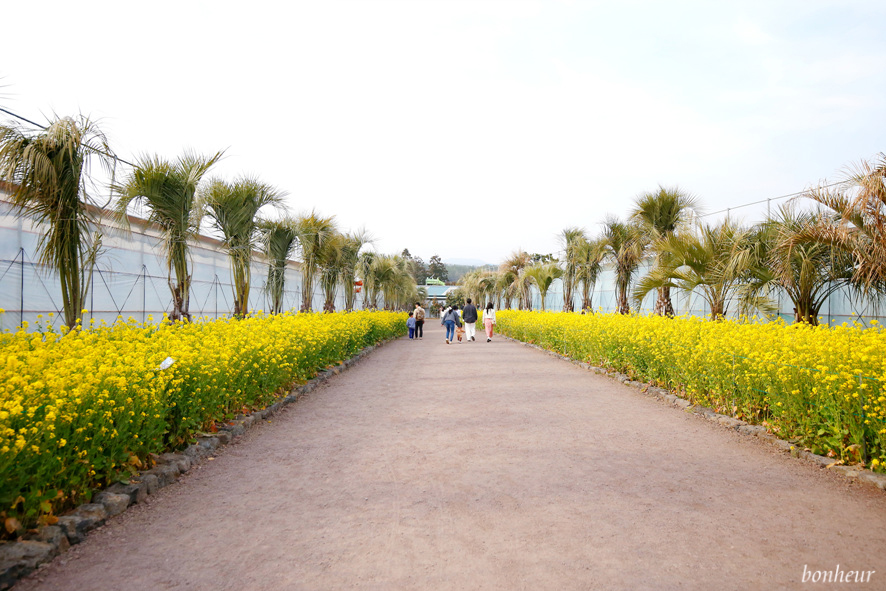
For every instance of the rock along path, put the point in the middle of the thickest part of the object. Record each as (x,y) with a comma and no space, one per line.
(484,466)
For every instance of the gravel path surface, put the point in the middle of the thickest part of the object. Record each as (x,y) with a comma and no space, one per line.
(484,466)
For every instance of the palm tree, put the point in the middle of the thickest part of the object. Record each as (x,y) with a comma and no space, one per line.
(365,268)
(383,274)
(571,238)
(350,262)
(512,271)
(808,272)
(479,285)
(543,275)
(313,232)
(233,209)
(660,214)
(470,283)
(279,238)
(716,260)
(47,175)
(169,191)
(589,265)
(379,276)
(487,284)
(390,276)
(624,245)
(332,255)
(860,229)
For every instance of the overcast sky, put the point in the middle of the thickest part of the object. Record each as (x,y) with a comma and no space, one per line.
(464,128)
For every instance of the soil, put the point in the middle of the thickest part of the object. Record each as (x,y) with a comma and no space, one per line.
(484,466)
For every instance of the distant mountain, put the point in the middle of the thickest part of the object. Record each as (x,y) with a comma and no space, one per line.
(467,262)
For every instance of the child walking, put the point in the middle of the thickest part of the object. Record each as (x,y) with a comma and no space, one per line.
(410,324)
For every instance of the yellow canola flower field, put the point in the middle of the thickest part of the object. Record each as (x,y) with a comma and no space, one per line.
(82,410)
(820,387)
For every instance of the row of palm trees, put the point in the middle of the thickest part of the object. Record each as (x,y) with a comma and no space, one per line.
(807,254)
(47,174)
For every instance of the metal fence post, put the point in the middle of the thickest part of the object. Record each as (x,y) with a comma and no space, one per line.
(21,306)
(144,293)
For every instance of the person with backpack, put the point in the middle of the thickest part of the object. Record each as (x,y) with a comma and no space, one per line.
(419,315)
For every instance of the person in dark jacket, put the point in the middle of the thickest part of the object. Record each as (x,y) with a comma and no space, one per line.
(469,313)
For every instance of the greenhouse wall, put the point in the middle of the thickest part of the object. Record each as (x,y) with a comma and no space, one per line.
(130,281)
(130,277)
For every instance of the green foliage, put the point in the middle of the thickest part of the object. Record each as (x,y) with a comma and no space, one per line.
(314,231)
(537,258)
(543,276)
(715,260)
(169,191)
(437,269)
(47,171)
(456,297)
(279,238)
(856,224)
(624,244)
(233,209)
(660,214)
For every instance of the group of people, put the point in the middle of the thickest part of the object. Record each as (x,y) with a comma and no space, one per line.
(460,323)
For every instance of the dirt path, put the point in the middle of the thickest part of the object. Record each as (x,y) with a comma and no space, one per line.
(484,466)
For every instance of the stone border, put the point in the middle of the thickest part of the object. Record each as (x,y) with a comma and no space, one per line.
(853,473)
(20,558)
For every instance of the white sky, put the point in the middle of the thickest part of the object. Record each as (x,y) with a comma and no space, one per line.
(465,128)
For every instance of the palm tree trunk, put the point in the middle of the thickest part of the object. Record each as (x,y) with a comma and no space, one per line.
(69,270)
(68,279)
(178,266)
(806,312)
(663,304)
(329,304)
(241,290)
(621,287)
(176,301)
(275,287)
(568,306)
(624,306)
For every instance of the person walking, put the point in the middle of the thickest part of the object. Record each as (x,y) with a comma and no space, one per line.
(419,314)
(470,317)
(489,320)
(410,324)
(451,319)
